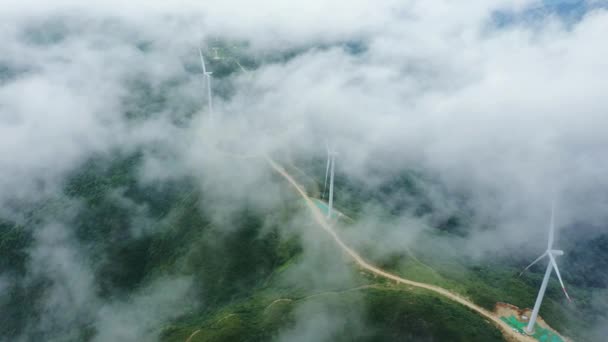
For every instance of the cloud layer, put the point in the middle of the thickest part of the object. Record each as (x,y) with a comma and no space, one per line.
(512,115)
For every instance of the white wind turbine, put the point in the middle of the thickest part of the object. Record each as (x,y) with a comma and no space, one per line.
(207,75)
(551,253)
(329,170)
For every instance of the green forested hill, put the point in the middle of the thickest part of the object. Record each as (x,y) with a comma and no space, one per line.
(134,234)
(267,272)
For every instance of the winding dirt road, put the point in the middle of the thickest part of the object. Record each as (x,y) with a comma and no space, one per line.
(507,331)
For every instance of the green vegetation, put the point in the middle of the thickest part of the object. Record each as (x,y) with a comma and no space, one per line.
(491,281)
(387,313)
(541,334)
(419,314)
(436,255)
(247,266)
(14,241)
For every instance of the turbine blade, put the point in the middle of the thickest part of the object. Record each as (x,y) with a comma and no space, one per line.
(552,226)
(200,53)
(209,98)
(327,167)
(331,186)
(533,262)
(326,174)
(559,276)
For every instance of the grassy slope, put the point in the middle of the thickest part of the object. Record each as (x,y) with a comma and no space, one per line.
(389,313)
(236,288)
(238,270)
(485,283)
(488,283)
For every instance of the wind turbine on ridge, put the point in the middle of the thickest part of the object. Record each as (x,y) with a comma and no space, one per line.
(551,253)
(329,170)
(207,75)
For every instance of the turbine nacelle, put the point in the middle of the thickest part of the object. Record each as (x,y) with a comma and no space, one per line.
(556,252)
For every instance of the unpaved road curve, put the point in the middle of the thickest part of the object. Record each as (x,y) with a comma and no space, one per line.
(507,331)
(193,334)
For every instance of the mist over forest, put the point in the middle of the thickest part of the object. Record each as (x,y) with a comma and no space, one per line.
(132,211)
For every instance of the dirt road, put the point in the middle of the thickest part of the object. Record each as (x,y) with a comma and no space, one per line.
(507,331)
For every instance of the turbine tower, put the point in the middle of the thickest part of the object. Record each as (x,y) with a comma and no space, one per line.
(331,161)
(326,170)
(550,253)
(207,75)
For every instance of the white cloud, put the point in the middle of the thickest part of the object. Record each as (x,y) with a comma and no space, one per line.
(511,115)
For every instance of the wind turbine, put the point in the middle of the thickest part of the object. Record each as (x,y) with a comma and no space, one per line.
(331,161)
(207,75)
(551,253)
